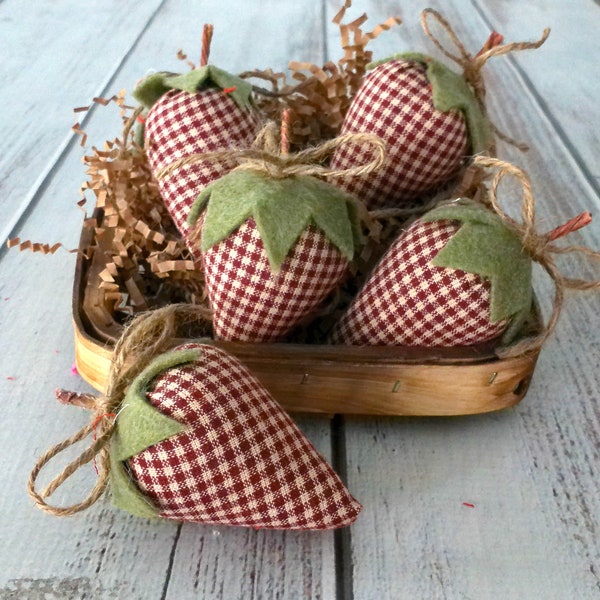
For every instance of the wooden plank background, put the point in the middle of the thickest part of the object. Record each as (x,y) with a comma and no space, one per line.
(532,472)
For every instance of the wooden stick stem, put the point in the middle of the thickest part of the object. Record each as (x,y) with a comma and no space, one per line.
(207,33)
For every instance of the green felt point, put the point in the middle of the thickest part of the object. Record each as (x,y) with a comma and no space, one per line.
(282,209)
(452,92)
(156,85)
(486,246)
(140,425)
(126,495)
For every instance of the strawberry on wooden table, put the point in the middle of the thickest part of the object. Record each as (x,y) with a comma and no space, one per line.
(457,276)
(190,434)
(200,439)
(204,110)
(431,118)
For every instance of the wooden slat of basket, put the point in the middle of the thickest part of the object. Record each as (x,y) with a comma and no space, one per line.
(302,382)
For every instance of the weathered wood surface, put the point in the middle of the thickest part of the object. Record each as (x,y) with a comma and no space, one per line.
(531,472)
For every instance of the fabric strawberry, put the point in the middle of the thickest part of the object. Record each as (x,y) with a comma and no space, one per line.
(199,438)
(457,276)
(430,120)
(273,248)
(205,110)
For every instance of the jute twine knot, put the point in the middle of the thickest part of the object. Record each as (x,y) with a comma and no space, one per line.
(472,65)
(147,336)
(270,154)
(540,247)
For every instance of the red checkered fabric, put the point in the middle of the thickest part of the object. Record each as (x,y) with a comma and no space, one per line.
(408,302)
(180,124)
(242,460)
(251,303)
(425,146)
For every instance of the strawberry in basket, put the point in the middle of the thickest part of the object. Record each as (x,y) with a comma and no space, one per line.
(275,241)
(457,276)
(200,439)
(430,117)
(204,110)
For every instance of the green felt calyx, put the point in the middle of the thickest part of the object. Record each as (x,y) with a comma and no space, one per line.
(486,246)
(137,427)
(282,209)
(452,92)
(149,90)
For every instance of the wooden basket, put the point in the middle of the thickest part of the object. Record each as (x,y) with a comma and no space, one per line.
(328,379)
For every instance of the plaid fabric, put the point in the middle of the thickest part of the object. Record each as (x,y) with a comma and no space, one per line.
(251,303)
(242,460)
(425,146)
(180,124)
(408,302)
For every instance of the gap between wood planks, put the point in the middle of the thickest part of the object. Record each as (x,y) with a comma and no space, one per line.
(165,589)
(342,540)
(45,179)
(528,84)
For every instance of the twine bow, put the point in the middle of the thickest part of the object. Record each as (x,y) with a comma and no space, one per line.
(472,65)
(148,335)
(540,247)
(272,157)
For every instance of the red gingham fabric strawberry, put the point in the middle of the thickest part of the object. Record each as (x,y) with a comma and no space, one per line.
(272,249)
(228,455)
(256,304)
(429,119)
(194,115)
(418,294)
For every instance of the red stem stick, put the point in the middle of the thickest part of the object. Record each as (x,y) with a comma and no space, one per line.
(494,40)
(585,218)
(207,33)
(286,131)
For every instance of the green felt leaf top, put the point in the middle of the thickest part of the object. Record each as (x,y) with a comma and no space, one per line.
(452,92)
(138,426)
(149,90)
(486,246)
(282,209)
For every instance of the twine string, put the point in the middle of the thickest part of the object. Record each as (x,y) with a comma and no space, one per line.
(472,65)
(128,128)
(266,156)
(147,336)
(539,246)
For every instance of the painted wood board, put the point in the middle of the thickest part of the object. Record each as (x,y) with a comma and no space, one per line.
(564,82)
(49,62)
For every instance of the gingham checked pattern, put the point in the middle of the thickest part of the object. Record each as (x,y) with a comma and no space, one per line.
(180,124)
(242,460)
(250,303)
(408,302)
(425,146)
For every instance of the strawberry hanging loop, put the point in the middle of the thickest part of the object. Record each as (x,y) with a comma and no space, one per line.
(266,156)
(149,335)
(540,247)
(472,65)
